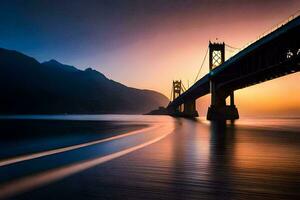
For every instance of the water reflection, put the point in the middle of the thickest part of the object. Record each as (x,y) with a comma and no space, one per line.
(199,160)
(222,147)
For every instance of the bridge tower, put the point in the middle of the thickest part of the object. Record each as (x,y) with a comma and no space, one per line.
(188,109)
(176,89)
(218,109)
(176,92)
(216,54)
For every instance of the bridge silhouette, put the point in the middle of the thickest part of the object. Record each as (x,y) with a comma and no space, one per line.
(273,55)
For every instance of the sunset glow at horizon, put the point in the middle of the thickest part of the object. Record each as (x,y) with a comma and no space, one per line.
(147,45)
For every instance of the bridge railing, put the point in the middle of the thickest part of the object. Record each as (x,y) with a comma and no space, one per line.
(272,29)
(275,27)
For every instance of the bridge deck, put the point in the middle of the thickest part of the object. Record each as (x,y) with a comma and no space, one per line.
(252,60)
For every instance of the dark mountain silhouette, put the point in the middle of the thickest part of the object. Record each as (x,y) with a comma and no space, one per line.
(55,64)
(28,86)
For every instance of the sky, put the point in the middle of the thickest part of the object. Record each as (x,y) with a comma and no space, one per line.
(147,44)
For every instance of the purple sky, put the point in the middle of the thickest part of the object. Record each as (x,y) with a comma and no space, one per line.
(144,44)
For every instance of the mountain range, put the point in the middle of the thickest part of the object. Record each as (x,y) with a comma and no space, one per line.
(30,87)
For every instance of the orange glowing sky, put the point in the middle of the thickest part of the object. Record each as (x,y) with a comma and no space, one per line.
(147,44)
(175,51)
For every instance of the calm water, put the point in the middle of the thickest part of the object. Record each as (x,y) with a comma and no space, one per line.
(148,157)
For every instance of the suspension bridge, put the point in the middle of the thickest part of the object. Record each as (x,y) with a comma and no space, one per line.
(275,54)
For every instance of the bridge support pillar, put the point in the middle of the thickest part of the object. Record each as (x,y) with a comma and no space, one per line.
(189,109)
(219,110)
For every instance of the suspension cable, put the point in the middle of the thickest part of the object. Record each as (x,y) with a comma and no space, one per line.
(232,47)
(201,65)
(171,96)
(183,87)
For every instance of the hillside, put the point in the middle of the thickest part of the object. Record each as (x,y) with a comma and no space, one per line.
(30,87)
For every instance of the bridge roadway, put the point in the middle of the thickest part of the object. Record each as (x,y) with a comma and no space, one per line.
(274,55)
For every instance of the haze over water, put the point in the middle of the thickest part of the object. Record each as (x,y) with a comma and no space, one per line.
(156,157)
